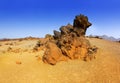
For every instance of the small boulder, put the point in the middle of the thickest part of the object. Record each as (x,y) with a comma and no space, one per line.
(52,54)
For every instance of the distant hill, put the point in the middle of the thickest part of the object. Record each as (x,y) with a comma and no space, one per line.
(106,37)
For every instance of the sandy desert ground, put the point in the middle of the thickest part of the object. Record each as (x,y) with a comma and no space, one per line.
(19,64)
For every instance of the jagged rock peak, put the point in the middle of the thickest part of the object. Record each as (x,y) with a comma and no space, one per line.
(81,24)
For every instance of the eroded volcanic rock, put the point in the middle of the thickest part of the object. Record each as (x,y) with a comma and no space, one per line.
(69,43)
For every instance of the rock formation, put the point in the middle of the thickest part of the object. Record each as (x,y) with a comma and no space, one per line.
(69,43)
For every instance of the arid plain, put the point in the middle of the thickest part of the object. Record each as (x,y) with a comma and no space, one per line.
(19,63)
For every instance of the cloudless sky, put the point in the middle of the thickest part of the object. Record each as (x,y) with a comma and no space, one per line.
(23,18)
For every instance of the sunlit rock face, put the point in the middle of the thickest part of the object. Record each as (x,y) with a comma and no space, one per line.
(69,43)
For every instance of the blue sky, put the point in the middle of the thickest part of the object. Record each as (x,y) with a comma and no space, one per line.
(23,18)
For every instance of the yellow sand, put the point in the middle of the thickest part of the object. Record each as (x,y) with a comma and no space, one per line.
(104,69)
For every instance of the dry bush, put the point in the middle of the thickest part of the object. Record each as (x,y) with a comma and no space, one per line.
(6,43)
(3,52)
(38,58)
(9,49)
(98,37)
(38,44)
(16,50)
(119,41)
(91,36)
(25,50)
(20,40)
(9,44)
(48,36)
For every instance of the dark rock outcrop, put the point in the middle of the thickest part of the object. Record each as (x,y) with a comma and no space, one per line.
(81,24)
(70,43)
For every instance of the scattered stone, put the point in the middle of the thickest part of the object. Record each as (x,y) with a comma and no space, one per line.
(38,58)
(52,54)
(18,62)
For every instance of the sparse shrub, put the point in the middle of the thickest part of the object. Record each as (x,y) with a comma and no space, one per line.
(97,37)
(90,36)
(49,36)
(20,40)
(119,41)
(11,44)
(39,58)
(92,50)
(38,43)
(16,50)
(3,52)
(37,46)
(9,49)
(6,43)
(91,53)
(93,36)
